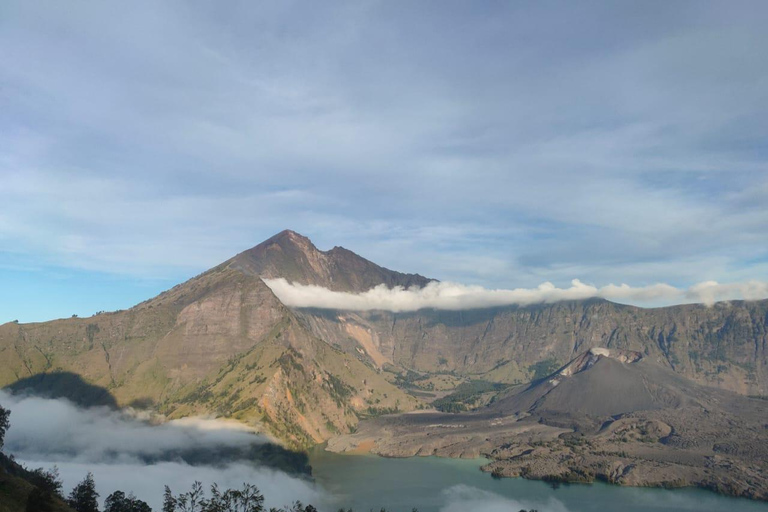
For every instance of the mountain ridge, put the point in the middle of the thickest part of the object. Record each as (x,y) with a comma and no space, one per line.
(222,343)
(725,345)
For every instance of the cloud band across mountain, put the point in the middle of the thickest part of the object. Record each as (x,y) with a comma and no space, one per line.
(454,296)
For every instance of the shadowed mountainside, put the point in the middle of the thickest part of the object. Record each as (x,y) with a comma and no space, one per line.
(64,385)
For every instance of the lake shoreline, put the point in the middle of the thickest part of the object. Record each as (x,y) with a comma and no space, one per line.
(352,474)
(547,458)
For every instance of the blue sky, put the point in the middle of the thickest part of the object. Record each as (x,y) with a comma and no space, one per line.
(502,144)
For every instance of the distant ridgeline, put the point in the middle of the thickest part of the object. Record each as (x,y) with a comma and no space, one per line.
(223,344)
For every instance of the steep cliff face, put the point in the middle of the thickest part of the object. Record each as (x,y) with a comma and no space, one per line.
(725,345)
(295,258)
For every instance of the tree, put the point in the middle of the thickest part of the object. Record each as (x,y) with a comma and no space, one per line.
(192,501)
(249,499)
(299,507)
(5,415)
(140,506)
(39,501)
(47,481)
(169,502)
(47,487)
(116,502)
(84,497)
(119,502)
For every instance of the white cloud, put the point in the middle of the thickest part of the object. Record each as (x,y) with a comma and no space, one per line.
(42,427)
(454,296)
(709,292)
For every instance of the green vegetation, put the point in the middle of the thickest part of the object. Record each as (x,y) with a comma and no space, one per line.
(467,395)
(339,391)
(543,368)
(411,379)
(119,502)
(84,497)
(372,412)
(5,415)
(22,490)
(200,394)
(289,361)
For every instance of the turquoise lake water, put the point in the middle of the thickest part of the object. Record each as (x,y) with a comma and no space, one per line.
(431,484)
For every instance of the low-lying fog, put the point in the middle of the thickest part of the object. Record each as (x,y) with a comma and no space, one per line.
(129,454)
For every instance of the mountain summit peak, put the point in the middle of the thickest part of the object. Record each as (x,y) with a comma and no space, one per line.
(293,257)
(288,234)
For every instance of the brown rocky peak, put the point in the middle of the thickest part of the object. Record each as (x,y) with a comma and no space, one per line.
(289,236)
(294,257)
(285,240)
